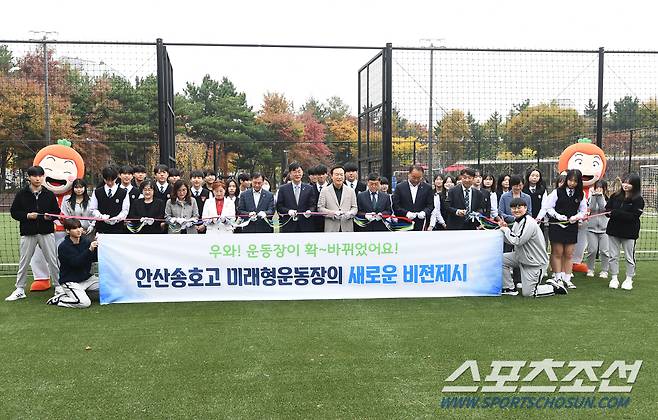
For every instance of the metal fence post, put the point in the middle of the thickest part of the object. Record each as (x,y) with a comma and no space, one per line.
(387,128)
(599,106)
(46,104)
(630,152)
(430,159)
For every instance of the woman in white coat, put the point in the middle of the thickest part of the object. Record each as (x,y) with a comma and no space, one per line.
(219,208)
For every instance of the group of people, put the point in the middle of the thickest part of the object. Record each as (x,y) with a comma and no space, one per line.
(335,200)
(565,217)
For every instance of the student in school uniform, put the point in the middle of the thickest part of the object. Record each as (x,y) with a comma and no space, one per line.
(597,239)
(385,185)
(568,205)
(489,186)
(148,209)
(626,207)
(462,200)
(535,187)
(77,204)
(126,178)
(232,191)
(319,174)
(352,177)
(199,192)
(258,205)
(244,181)
(162,187)
(440,209)
(529,255)
(110,203)
(28,208)
(220,208)
(374,204)
(414,198)
(502,186)
(209,176)
(295,200)
(76,255)
(174,175)
(182,209)
(139,175)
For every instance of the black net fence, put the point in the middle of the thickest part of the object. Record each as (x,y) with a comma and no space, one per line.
(499,111)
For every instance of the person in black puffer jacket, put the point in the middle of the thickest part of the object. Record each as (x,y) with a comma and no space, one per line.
(625,207)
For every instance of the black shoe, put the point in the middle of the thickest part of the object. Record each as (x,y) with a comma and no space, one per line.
(510,292)
(558,287)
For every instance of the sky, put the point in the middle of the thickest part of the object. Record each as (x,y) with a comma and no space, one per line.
(301,74)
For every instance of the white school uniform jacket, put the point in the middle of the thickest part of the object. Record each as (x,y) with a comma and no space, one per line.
(210,210)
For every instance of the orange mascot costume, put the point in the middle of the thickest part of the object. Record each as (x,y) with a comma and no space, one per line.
(62,165)
(591,161)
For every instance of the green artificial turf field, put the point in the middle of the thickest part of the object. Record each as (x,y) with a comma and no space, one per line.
(311,359)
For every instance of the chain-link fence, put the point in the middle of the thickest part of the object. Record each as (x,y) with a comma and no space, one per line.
(501,111)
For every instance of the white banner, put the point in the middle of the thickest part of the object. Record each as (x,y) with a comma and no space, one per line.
(175,268)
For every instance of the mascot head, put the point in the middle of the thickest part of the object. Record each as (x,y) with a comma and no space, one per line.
(587,157)
(62,165)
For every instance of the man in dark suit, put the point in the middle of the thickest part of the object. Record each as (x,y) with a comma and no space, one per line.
(464,199)
(258,205)
(352,178)
(373,203)
(414,198)
(296,200)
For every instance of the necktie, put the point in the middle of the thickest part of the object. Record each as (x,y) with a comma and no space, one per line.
(319,187)
(161,189)
(196,193)
(532,190)
(570,193)
(296,194)
(373,198)
(109,193)
(467,200)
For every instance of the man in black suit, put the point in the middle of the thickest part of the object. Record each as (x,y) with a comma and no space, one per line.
(464,199)
(296,200)
(352,178)
(414,198)
(258,205)
(373,204)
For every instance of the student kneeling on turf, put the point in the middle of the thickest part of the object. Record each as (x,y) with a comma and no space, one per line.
(76,253)
(529,254)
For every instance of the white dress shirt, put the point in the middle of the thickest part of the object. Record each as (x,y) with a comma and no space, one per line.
(414,191)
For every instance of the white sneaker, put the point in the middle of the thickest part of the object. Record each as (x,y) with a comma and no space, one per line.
(15,295)
(627,284)
(614,283)
(590,273)
(603,275)
(59,290)
(569,284)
